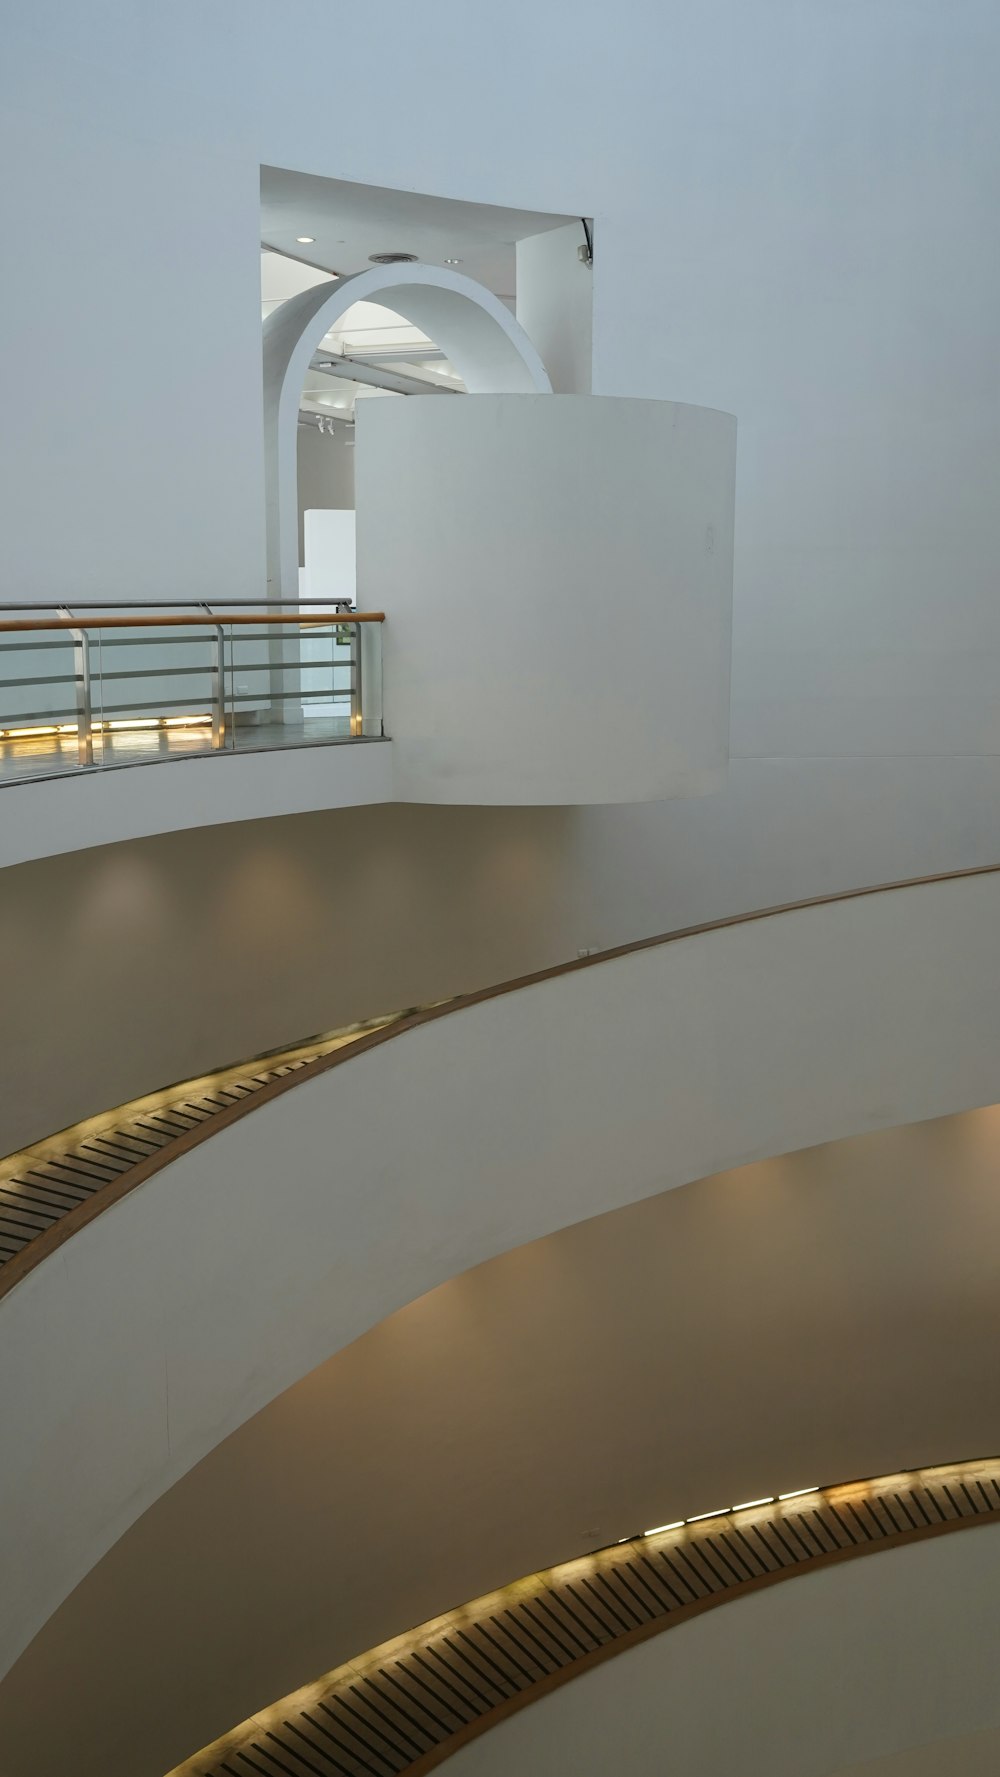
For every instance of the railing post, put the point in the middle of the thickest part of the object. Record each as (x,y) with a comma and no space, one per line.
(84,706)
(357,700)
(219,688)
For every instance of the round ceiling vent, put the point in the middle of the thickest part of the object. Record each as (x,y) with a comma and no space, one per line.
(392,258)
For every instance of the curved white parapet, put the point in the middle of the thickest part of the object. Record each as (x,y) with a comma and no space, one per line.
(488,347)
(877,1668)
(131,1353)
(557,574)
(40,819)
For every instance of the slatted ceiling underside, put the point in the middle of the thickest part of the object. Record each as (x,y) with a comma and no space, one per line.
(42,1189)
(406,1706)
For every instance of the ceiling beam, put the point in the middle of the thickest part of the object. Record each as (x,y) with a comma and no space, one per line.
(359,370)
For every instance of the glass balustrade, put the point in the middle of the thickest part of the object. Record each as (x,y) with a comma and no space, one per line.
(84,687)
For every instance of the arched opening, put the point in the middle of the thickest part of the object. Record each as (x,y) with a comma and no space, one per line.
(479,336)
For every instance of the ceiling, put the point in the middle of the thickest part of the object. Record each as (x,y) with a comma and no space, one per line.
(349,222)
(366,331)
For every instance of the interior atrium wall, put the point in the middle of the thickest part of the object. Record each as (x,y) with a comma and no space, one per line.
(794,218)
(187,950)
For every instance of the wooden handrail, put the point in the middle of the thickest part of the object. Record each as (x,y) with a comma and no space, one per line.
(20,1264)
(205,619)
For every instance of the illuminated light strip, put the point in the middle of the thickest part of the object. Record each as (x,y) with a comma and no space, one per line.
(745,1505)
(37,733)
(336,1689)
(131,725)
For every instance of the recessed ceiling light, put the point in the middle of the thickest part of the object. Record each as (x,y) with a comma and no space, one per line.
(305,240)
(453,262)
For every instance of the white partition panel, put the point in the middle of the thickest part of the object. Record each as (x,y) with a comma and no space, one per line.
(329,571)
(557,571)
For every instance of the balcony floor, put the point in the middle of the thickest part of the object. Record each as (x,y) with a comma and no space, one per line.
(56,754)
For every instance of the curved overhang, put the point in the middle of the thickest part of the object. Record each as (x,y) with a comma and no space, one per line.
(46,817)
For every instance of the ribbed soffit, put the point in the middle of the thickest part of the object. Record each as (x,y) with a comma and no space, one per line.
(409,1704)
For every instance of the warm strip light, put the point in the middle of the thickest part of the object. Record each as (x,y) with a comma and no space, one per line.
(133,724)
(799,1491)
(747,1503)
(720,1512)
(661,1527)
(130,725)
(35,733)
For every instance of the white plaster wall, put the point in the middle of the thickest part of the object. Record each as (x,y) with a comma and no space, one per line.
(890,1658)
(559,574)
(136,1348)
(330,553)
(806,240)
(325,477)
(809,242)
(555,305)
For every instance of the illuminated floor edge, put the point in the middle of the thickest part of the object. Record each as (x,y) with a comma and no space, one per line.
(56,1185)
(407,1705)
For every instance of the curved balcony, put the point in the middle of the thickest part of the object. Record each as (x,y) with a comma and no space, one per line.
(413,1702)
(515,1113)
(87,692)
(557,572)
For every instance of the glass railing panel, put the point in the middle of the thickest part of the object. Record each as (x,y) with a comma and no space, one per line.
(120,685)
(39,711)
(155,691)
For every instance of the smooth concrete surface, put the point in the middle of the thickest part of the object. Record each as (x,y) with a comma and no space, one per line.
(971,1755)
(510,1120)
(891,1657)
(762,248)
(725,1341)
(555,304)
(558,569)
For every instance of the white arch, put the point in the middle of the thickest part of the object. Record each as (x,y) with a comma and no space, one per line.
(489,349)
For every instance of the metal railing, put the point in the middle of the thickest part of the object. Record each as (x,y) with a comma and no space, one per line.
(91,685)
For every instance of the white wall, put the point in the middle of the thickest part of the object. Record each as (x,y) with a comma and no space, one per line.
(555,305)
(890,1657)
(805,238)
(510,1119)
(558,570)
(330,570)
(325,477)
